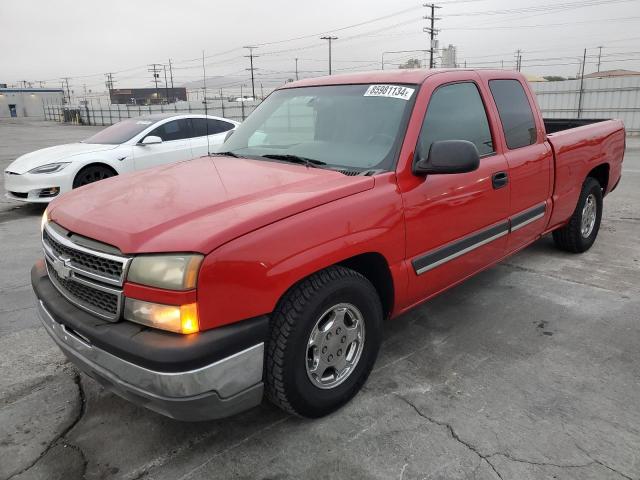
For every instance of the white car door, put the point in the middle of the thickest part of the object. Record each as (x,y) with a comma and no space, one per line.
(175,145)
(217,130)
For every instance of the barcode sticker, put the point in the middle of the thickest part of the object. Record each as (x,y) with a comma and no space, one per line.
(392,91)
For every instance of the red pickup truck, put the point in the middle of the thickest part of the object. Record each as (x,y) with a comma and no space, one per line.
(194,288)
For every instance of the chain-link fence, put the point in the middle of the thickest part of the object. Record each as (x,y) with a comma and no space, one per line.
(110,114)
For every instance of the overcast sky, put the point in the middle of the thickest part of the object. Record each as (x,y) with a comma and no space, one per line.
(83,39)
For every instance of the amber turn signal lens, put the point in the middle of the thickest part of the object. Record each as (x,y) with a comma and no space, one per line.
(174,318)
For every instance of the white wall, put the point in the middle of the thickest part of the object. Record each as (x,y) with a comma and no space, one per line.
(28,101)
(616,97)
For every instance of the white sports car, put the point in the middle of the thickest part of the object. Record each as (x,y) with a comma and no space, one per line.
(129,145)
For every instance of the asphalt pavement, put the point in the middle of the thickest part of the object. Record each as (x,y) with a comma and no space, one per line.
(529,370)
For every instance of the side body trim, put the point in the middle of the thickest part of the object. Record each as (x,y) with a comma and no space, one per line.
(441,255)
(437,257)
(525,218)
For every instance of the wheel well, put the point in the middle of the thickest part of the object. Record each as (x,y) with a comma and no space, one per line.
(99,164)
(601,174)
(375,268)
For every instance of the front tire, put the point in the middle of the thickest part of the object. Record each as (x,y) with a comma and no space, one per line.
(90,174)
(325,336)
(580,233)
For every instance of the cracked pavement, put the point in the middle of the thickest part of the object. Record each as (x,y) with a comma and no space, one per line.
(530,370)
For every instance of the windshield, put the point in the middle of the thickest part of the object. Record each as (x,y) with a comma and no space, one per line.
(355,127)
(120,132)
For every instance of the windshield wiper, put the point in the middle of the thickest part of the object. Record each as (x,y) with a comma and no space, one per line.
(228,154)
(309,162)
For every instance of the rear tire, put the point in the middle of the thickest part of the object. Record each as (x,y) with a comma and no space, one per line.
(324,339)
(580,233)
(91,174)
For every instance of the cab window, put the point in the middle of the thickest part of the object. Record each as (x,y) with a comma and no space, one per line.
(515,113)
(212,126)
(456,112)
(174,130)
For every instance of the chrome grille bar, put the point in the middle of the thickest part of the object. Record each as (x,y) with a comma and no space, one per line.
(90,279)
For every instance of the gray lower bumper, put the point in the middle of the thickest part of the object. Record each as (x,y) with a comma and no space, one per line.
(221,389)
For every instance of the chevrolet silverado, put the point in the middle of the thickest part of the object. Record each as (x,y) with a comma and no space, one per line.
(195,288)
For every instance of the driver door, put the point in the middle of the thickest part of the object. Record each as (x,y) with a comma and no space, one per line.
(456,224)
(175,145)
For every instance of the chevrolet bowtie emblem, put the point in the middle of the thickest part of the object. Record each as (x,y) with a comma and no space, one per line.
(61,266)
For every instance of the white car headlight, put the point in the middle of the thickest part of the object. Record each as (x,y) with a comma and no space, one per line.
(49,168)
(173,272)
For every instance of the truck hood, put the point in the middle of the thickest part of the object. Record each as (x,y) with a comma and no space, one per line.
(59,153)
(198,205)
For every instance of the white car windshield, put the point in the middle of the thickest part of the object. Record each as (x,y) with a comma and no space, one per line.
(120,132)
(355,127)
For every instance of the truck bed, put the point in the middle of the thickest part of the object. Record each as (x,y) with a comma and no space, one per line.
(553,125)
(581,146)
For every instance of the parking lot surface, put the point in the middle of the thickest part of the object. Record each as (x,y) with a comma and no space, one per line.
(529,370)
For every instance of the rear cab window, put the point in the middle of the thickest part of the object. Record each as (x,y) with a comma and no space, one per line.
(516,115)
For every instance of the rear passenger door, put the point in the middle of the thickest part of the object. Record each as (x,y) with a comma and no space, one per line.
(456,224)
(175,145)
(529,157)
(217,130)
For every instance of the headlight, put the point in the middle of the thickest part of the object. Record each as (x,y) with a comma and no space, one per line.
(49,168)
(173,272)
(45,219)
(179,319)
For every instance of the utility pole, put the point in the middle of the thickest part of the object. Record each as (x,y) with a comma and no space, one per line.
(584,60)
(109,81)
(65,81)
(166,84)
(250,57)
(431,30)
(171,76)
(599,56)
(518,60)
(330,39)
(296,68)
(153,68)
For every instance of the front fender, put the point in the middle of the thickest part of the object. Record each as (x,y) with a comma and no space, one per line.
(246,277)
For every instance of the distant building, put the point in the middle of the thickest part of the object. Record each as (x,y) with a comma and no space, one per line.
(612,73)
(28,102)
(147,96)
(449,57)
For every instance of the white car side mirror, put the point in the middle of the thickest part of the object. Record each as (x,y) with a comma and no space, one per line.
(151,140)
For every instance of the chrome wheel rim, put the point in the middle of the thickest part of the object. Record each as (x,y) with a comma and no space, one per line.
(335,345)
(588,215)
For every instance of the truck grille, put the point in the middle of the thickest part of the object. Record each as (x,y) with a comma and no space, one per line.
(90,279)
(90,262)
(84,295)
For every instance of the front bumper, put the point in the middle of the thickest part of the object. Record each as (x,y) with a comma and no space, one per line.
(28,187)
(221,388)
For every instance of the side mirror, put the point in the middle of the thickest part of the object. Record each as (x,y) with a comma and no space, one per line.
(226,137)
(151,140)
(448,156)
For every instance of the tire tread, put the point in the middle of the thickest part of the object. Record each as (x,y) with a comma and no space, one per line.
(282,322)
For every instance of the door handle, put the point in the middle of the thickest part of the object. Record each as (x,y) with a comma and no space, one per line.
(499,179)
